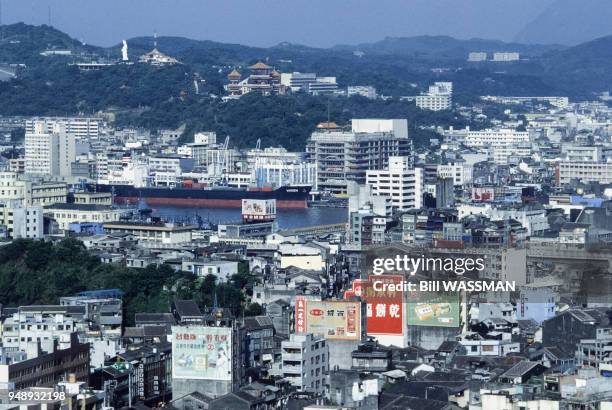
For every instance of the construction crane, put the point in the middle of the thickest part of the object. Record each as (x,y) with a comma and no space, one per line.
(224,159)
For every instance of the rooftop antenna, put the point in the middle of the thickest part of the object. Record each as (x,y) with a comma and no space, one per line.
(154,38)
(1,26)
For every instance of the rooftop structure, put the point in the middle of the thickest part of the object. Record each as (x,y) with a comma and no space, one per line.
(157,58)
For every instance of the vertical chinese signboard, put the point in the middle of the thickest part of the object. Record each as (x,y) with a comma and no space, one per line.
(300,315)
(384,308)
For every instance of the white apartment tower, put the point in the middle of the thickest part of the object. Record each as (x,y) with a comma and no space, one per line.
(400,182)
(49,153)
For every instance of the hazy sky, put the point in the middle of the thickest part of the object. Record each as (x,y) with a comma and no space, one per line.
(269,22)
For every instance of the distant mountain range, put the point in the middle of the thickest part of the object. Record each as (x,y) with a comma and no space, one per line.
(569,22)
(587,66)
(447,47)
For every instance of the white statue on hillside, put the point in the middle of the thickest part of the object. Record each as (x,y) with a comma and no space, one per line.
(124,51)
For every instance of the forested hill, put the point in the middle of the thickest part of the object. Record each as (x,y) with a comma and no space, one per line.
(22,44)
(166,97)
(40,272)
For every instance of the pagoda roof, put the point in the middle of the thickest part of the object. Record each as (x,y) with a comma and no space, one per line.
(328,125)
(234,74)
(260,66)
(275,73)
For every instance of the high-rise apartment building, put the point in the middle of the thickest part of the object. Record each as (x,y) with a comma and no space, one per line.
(47,152)
(342,155)
(400,182)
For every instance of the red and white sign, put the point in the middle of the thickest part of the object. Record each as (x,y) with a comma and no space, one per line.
(357,289)
(384,308)
(300,315)
(483,194)
(334,319)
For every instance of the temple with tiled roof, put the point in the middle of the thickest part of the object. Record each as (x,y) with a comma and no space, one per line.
(156,57)
(263,79)
(260,65)
(234,89)
(235,74)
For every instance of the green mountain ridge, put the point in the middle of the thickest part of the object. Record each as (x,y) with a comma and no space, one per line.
(165,97)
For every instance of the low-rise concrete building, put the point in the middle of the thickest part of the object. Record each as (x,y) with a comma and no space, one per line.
(305,362)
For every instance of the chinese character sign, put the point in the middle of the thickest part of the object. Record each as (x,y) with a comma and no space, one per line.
(300,315)
(384,308)
(332,319)
(200,352)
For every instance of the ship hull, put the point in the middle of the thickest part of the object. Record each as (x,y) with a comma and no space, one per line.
(286,197)
(204,203)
